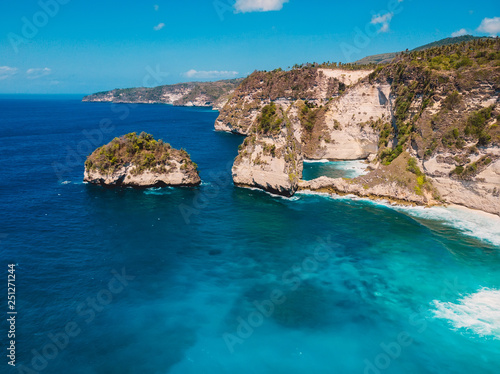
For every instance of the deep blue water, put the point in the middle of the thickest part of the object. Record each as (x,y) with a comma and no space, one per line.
(357,287)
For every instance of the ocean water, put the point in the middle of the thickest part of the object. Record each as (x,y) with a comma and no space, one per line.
(333,169)
(218,279)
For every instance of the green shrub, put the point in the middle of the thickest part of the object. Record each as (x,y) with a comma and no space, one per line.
(464,62)
(476,125)
(484,138)
(269,121)
(308,116)
(388,154)
(458,170)
(142,150)
(413,167)
(452,100)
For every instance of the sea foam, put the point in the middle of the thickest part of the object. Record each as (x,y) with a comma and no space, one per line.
(477,224)
(322,161)
(355,167)
(478,313)
(158,190)
(474,223)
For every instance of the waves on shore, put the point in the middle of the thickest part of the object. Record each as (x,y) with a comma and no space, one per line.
(473,223)
(470,222)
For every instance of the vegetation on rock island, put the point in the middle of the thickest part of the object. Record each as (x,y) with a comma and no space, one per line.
(142,151)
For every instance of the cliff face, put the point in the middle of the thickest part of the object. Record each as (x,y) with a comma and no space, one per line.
(270,157)
(282,113)
(447,116)
(347,123)
(428,122)
(125,176)
(310,84)
(140,161)
(203,94)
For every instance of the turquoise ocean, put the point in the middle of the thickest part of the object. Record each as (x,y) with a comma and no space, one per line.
(219,279)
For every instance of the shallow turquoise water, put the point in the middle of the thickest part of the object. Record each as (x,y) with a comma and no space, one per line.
(333,169)
(357,287)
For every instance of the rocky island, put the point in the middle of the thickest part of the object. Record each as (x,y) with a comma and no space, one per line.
(427,123)
(140,161)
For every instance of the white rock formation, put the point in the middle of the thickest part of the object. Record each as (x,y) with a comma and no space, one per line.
(347,119)
(125,176)
(390,191)
(480,192)
(278,173)
(348,77)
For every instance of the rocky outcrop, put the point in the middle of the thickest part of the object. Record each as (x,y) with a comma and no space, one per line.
(269,164)
(318,119)
(390,191)
(477,186)
(140,161)
(402,182)
(125,176)
(438,182)
(200,94)
(270,158)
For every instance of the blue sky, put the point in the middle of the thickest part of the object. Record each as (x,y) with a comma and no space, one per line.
(74,46)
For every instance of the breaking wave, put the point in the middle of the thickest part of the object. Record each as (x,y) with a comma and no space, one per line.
(478,313)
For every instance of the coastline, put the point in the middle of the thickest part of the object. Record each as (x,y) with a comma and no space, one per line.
(473,223)
(207,107)
(470,222)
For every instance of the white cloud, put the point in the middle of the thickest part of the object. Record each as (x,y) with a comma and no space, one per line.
(7,72)
(246,6)
(37,73)
(459,33)
(490,26)
(384,28)
(156,6)
(159,26)
(210,74)
(382,19)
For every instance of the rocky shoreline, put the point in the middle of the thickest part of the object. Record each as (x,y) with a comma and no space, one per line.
(125,177)
(391,192)
(431,135)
